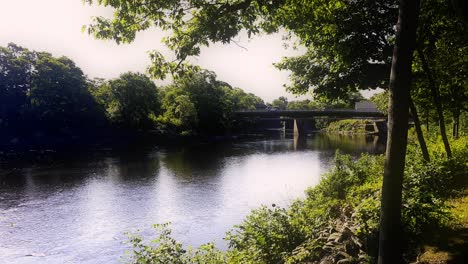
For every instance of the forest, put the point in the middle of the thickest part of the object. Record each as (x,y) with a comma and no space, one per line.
(46,100)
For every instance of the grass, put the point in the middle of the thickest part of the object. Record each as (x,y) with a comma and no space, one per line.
(450,245)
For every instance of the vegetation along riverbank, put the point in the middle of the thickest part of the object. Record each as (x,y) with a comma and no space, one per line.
(338,220)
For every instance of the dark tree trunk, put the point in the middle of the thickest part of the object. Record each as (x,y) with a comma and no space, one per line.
(427,119)
(437,102)
(417,126)
(390,237)
(456,124)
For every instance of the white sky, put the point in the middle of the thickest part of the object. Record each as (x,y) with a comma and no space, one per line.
(55,26)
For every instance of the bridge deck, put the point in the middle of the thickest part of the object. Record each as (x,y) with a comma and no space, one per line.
(308,113)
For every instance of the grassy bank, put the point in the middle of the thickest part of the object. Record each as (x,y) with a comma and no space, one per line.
(338,220)
(351,126)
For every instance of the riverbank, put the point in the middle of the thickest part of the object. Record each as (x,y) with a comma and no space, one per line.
(352,126)
(338,220)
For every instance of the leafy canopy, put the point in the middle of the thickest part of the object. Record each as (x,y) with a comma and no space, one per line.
(349,42)
(130,100)
(37,88)
(200,103)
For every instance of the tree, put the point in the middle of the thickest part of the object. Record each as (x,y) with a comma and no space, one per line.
(339,60)
(442,63)
(280,103)
(38,90)
(16,68)
(241,100)
(381,101)
(130,100)
(59,93)
(399,95)
(301,105)
(179,111)
(208,103)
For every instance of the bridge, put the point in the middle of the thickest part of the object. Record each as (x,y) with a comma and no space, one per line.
(301,117)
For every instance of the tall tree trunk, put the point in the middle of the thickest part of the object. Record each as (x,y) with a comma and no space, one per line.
(390,237)
(419,133)
(427,119)
(437,102)
(456,124)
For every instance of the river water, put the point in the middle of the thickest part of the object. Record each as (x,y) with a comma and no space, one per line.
(77,208)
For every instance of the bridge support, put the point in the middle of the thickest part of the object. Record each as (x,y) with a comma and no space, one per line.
(302,126)
(380,127)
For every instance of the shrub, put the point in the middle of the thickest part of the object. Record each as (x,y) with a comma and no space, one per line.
(165,249)
(350,126)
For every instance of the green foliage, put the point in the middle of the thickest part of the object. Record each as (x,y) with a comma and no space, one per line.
(37,89)
(198,103)
(442,40)
(381,101)
(280,103)
(348,48)
(16,69)
(41,92)
(129,100)
(302,105)
(349,43)
(165,249)
(260,241)
(350,126)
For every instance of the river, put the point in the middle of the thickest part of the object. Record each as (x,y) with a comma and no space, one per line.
(77,208)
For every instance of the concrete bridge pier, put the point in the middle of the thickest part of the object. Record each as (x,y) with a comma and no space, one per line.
(380,127)
(302,126)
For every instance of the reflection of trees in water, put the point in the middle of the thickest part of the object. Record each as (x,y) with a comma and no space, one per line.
(202,163)
(134,166)
(69,171)
(351,144)
(197,162)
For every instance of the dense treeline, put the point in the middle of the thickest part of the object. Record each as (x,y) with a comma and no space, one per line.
(347,101)
(38,89)
(199,103)
(49,100)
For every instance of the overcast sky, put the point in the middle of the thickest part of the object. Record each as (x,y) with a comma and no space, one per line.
(55,26)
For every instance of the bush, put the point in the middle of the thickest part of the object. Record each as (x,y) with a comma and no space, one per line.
(350,126)
(165,249)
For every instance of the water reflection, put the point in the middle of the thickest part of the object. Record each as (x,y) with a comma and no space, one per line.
(78,209)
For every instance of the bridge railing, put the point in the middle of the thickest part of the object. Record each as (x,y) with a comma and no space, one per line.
(309,113)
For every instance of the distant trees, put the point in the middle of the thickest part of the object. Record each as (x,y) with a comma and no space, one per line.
(43,94)
(280,103)
(42,91)
(302,105)
(347,101)
(131,101)
(199,103)
(16,70)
